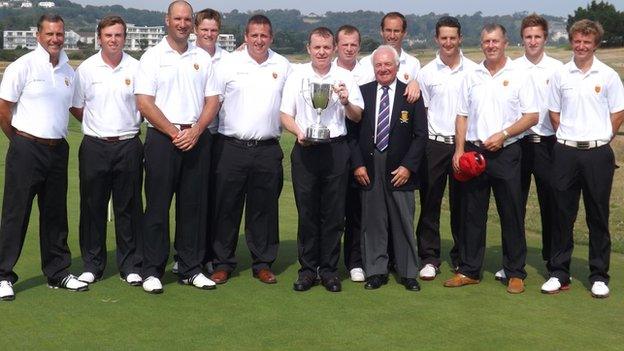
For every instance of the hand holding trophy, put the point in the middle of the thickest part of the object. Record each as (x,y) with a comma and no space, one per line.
(319,100)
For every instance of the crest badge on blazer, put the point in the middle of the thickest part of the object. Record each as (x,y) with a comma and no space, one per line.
(196,66)
(404,117)
(597,89)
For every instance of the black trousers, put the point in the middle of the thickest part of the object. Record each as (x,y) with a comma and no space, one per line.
(250,175)
(320,174)
(437,168)
(589,172)
(35,169)
(170,171)
(537,160)
(502,175)
(353,228)
(110,168)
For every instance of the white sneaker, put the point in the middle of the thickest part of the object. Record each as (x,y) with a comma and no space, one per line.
(200,281)
(71,283)
(174,268)
(553,286)
(357,274)
(6,291)
(133,279)
(87,277)
(600,290)
(500,275)
(428,272)
(152,285)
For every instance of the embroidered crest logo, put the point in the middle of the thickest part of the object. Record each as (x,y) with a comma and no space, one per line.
(274,75)
(196,66)
(66,81)
(128,81)
(505,83)
(404,117)
(597,89)
(406,76)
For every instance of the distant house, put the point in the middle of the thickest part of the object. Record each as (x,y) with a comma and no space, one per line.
(87,37)
(4,4)
(26,4)
(312,18)
(26,39)
(47,4)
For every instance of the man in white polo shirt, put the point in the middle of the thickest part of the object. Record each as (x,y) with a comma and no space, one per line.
(586,104)
(207,27)
(111,154)
(320,172)
(538,142)
(440,82)
(248,158)
(496,105)
(35,93)
(176,92)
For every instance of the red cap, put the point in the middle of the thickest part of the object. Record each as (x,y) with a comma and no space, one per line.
(471,164)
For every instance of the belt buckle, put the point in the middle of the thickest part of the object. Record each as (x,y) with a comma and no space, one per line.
(534,138)
(582,144)
(251,143)
(449,139)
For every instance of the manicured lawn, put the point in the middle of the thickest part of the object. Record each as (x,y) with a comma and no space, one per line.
(245,314)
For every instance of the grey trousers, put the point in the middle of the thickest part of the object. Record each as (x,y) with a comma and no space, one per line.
(386,212)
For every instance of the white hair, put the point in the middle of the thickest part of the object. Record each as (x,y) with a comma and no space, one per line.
(395,54)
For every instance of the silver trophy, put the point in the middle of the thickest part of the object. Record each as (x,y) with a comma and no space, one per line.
(320,97)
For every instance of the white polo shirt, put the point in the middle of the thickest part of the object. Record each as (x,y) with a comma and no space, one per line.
(586,101)
(359,72)
(408,68)
(541,74)
(219,55)
(42,94)
(440,88)
(493,103)
(179,82)
(296,98)
(252,94)
(107,96)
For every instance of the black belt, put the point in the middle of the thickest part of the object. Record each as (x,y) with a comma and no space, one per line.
(338,139)
(536,139)
(249,143)
(44,141)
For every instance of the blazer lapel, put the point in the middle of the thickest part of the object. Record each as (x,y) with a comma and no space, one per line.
(372,93)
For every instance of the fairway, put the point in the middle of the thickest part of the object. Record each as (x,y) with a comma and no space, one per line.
(245,314)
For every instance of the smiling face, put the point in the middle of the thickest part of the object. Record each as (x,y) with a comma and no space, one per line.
(583,46)
(207,34)
(348,46)
(392,32)
(534,40)
(258,39)
(179,22)
(493,45)
(385,66)
(52,37)
(321,49)
(112,39)
(449,41)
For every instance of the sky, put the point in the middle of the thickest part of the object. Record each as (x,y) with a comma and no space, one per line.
(452,7)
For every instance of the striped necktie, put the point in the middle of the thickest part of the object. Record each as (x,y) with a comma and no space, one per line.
(383,120)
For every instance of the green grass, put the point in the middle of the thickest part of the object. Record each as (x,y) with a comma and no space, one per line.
(245,314)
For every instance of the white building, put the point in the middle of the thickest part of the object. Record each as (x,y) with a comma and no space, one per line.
(26,4)
(4,4)
(140,37)
(47,4)
(225,41)
(26,39)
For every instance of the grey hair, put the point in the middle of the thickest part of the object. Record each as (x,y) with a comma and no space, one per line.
(395,54)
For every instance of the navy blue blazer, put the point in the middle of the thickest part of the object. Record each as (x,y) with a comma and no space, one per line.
(406,143)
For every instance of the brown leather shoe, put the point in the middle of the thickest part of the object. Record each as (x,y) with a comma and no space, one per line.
(459,280)
(266,276)
(515,286)
(220,276)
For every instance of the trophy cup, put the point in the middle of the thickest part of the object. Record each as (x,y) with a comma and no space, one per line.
(320,96)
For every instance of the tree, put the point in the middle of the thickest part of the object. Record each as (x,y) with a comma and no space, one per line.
(610,19)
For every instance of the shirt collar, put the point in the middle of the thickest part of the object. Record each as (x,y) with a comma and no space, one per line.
(45,56)
(168,48)
(391,86)
(594,67)
(100,61)
(540,64)
(357,64)
(441,64)
(268,61)
(508,65)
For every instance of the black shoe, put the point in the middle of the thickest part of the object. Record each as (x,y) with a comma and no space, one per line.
(304,283)
(376,281)
(332,284)
(410,284)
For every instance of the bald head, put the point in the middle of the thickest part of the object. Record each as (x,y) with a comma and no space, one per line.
(178,3)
